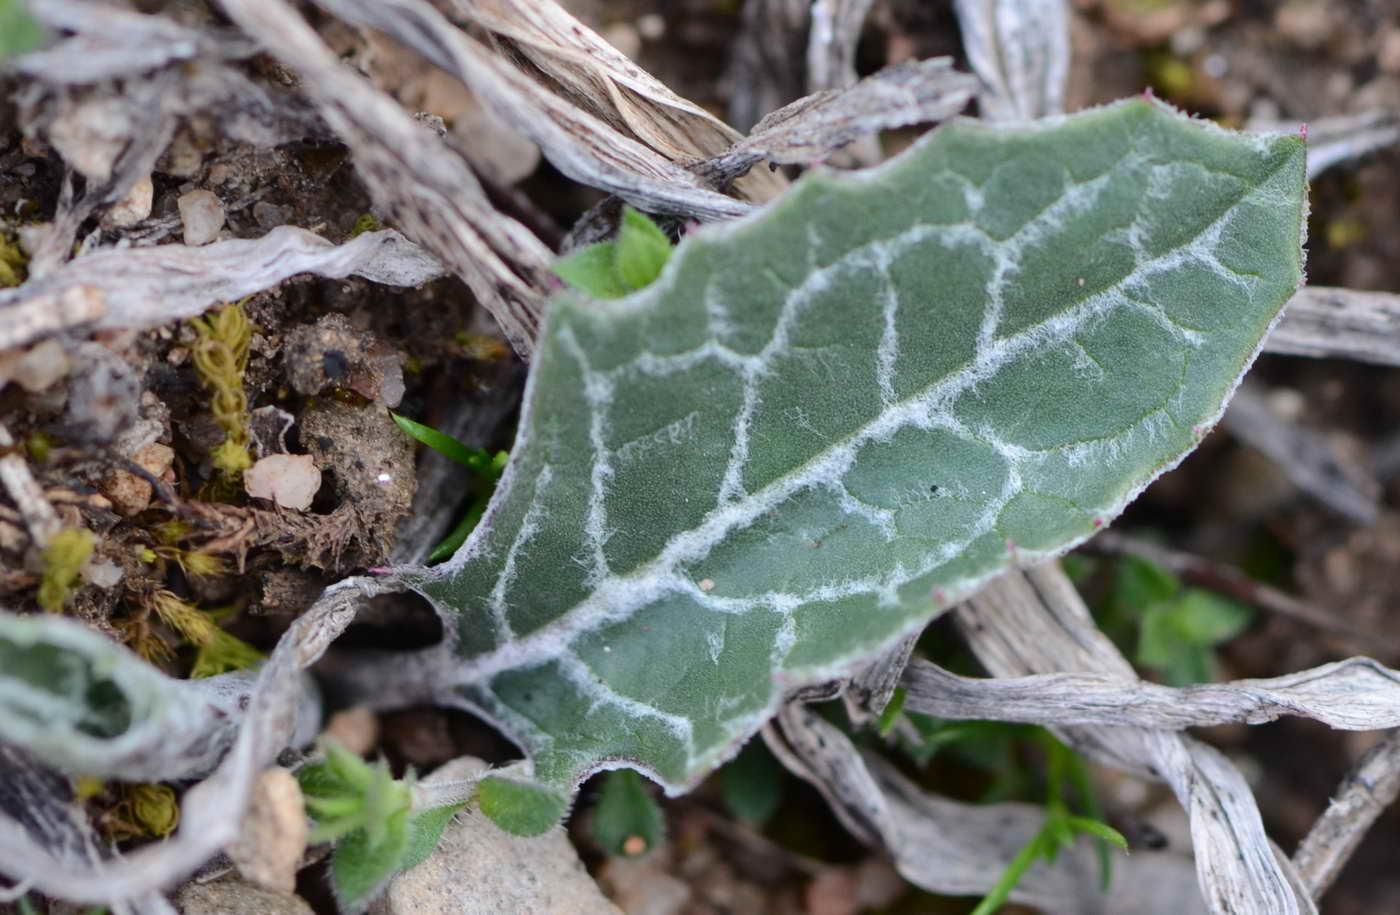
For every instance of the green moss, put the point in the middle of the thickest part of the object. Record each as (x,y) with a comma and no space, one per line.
(365,223)
(221,357)
(64,556)
(12,262)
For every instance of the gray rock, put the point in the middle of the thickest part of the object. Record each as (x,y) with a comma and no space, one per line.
(235,897)
(478,869)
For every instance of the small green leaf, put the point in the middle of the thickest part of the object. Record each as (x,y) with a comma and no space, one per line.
(1176,638)
(752,784)
(642,249)
(520,808)
(452,541)
(1158,640)
(424,831)
(1209,619)
(362,866)
(1099,831)
(345,794)
(1140,583)
(627,820)
(19,31)
(475,458)
(592,270)
(1001,890)
(890,714)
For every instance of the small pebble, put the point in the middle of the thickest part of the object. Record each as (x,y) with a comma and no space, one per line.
(202,215)
(104,574)
(290,480)
(355,728)
(132,208)
(273,834)
(43,365)
(131,494)
(1389,56)
(269,215)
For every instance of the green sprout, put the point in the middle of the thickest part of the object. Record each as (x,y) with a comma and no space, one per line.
(613,269)
(487,468)
(627,820)
(370,818)
(1172,630)
(1061,826)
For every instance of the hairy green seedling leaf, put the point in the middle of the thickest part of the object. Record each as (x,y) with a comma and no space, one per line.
(752,784)
(370,818)
(642,249)
(824,424)
(519,807)
(627,820)
(613,269)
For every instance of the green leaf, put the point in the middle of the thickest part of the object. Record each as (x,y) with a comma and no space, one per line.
(518,807)
(1140,583)
(592,270)
(642,250)
(361,866)
(613,269)
(1099,831)
(475,458)
(424,831)
(1176,637)
(1209,619)
(626,820)
(19,32)
(824,424)
(889,715)
(459,534)
(752,784)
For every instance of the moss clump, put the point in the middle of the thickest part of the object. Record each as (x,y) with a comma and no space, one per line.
(217,651)
(64,556)
(12,262)
(143,811)
(365,223)
(221,357)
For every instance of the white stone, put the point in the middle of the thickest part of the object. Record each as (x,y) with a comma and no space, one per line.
(290,480)
(202,215)
(132,208)
(38,369)
(479,869)
(273,834)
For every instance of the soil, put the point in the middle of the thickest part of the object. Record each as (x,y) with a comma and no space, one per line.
(320,351)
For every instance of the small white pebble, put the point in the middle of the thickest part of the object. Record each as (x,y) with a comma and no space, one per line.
(39,368)
(384,479)
(651,26)
(132,208)
(707,584)
(104,574)
(202,215)
(290,480)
